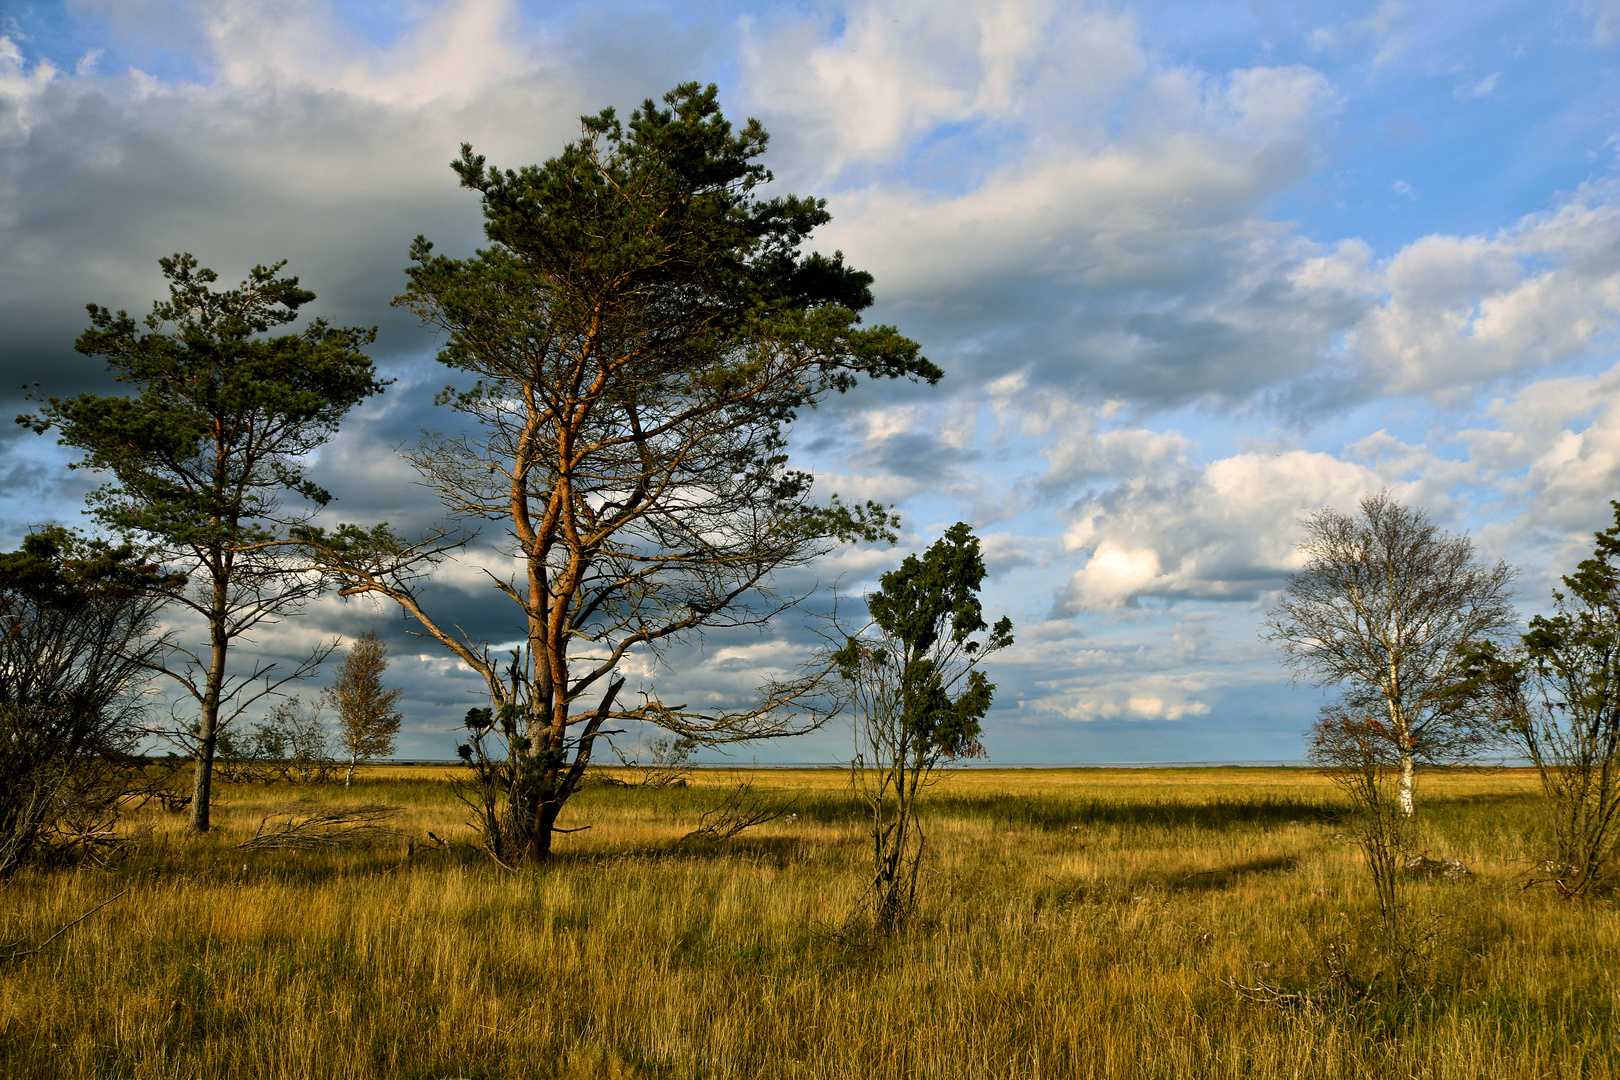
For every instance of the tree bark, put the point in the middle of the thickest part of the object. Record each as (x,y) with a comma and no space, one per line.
(202,781)
(1406,783)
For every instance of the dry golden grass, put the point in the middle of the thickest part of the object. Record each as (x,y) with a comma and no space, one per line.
(1076,924)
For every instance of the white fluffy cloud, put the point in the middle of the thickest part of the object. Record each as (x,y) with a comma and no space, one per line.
(453,55)
(21,87)
(893,72)
(1224,532)
(1534,477)
(1461,311)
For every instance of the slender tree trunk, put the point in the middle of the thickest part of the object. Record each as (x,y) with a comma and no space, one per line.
(1407,774)
(348,777)
(202,781)
(1400,725)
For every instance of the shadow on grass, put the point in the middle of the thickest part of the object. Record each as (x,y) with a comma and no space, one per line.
(778,851)
(1165,814)
(1226,876)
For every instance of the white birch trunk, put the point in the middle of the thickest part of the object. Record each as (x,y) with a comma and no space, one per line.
(1406,783)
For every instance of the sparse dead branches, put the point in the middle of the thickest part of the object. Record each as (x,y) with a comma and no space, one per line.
(16,951)
(306,827)
(1263,993)
(742,809)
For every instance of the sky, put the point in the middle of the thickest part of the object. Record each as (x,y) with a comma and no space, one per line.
(1193,270)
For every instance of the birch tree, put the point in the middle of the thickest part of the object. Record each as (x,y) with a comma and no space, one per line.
(1384,609)
(368,716)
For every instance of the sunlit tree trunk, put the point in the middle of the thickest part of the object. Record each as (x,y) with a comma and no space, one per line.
(1405,795)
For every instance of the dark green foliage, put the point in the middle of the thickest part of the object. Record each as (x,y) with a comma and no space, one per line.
(660,223)
(1557,699)
(77,637)
(202,454)
(930,609)
(918,699)
(639,335)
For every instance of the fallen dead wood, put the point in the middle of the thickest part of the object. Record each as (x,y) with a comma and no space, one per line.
(307,826)
(742,809)
(16,952)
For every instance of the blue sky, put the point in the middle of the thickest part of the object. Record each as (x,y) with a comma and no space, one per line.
(1193,269)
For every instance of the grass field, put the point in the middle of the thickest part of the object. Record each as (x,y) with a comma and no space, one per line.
(1075,924)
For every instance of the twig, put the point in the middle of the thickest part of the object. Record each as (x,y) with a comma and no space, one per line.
(1269,995)
(321,828)
(22,954)
(741,810)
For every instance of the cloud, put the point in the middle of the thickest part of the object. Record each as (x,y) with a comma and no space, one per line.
(1459,311)
(1386,29)
(1224,532)
(454,55)
(21,90)
(1532,478)
(892,73)
(1605,17)
(1548,455)
(290,137)
(1484,88)
(1132,268)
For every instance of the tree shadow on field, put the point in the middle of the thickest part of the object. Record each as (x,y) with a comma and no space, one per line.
(1135,887)
(1224,877)
(778,851)
(1158,813)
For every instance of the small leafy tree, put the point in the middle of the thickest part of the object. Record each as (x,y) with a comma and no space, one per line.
(1383,609)
(202,455)
(637,339)
(1354,747)
(669,759)
(1557,700)
(78,637)
(368,716)
(917,700)
(292,743)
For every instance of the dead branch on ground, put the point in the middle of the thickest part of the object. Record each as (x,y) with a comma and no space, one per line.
(16,952)
(304,827)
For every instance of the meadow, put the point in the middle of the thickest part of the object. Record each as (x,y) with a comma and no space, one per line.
(1075,923)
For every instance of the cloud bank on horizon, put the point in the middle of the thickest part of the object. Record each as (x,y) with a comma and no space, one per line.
(1193,271)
